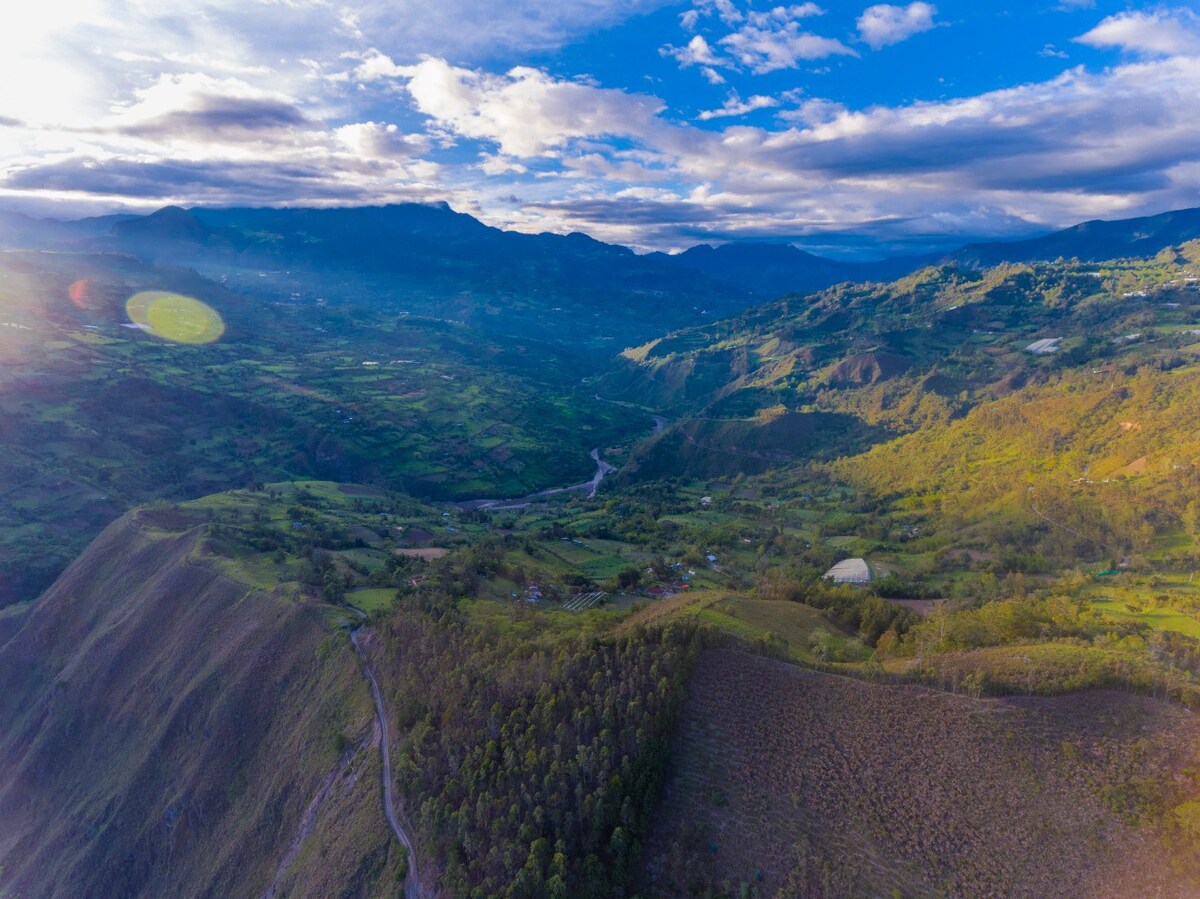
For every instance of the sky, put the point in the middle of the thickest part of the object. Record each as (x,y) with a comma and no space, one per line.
(854,129)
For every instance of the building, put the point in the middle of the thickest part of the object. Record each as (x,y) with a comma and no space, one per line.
(850,571)
(1044,347)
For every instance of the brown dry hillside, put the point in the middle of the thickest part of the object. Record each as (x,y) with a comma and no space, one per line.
(811,785)
(166,728)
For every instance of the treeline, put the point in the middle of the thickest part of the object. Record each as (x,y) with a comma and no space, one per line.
(533,767)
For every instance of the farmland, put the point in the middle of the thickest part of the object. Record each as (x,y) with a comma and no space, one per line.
(98,416)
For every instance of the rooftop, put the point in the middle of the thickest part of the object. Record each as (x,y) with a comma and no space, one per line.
(850,571)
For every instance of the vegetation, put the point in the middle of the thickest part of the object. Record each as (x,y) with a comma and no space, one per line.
(653,690)
(532,765)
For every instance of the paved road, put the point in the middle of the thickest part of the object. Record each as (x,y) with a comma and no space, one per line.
(412,884)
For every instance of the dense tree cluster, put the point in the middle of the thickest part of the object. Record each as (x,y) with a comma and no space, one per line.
(533,767)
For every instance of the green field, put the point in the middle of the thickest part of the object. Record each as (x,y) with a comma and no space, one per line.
(1159,619)
(372,599)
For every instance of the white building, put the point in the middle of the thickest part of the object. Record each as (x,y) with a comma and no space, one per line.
(850,571)
(1044,347)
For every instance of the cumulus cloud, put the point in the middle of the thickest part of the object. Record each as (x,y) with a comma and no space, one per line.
(199,106)
(883,24)
(380,140)
(1082,145)
(1162,32)
(323,106)
(525,112)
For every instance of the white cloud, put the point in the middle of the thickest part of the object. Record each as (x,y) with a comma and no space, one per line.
(1163,32)
(1121,142)
(814,112)
(773,40)
(375,66)
(380,140)
(883,24)
(497,164)
(697,52)
(762,41)
(736,106)
(525,112)
(725,10)
(322,106)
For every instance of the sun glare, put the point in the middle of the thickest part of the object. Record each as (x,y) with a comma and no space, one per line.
(174,317)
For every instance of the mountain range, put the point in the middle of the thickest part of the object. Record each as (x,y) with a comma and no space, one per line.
(424,245)
(327,605)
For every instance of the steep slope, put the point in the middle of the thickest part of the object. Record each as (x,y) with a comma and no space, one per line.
(796,784)
(97,415)
(170,731)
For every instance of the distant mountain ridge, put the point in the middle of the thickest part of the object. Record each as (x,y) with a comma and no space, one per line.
(1089,241)
(421,242)
(769,270)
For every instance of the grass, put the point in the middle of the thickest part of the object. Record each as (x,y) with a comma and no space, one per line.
(372,599)
(797,624)
(1163,619)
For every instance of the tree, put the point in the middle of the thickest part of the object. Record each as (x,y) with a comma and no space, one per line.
(629,579)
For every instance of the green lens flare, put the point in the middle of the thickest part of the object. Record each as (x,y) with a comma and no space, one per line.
(174,317)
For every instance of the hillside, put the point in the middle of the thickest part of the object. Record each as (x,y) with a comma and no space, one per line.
(168,726)
(896,358)
(788,783)
(99,414)
(421,259)
(647,686)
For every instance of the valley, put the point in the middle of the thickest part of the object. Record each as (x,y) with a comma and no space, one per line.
(392,586)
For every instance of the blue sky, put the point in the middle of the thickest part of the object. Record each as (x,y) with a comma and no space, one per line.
(849,128)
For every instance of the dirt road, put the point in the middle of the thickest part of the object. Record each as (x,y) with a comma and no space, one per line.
(412,883)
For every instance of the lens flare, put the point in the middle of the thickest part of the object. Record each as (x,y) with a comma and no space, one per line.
(174,317)
(80,293)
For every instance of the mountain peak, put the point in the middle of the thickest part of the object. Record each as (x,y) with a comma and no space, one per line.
(168,223)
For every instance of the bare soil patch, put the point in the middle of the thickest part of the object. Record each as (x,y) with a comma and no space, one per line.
(426,552)
(814,785)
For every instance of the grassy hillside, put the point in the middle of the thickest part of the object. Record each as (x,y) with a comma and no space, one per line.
(1007,709)
(921,351)
(167,726)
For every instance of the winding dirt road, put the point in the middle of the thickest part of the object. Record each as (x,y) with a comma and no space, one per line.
(412,883)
